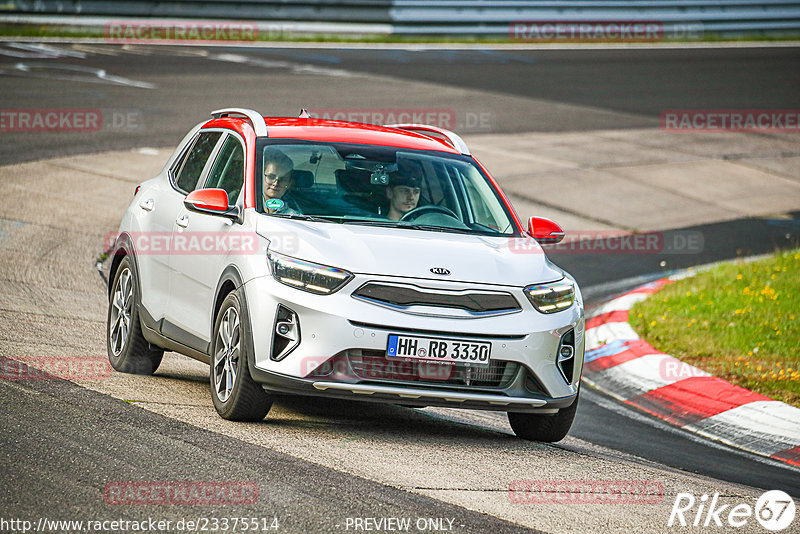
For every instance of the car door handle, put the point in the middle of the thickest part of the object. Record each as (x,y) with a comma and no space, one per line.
(147,205)
(182,221)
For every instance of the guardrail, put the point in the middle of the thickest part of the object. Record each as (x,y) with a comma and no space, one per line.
(448,17)
(266,10)
(494,17)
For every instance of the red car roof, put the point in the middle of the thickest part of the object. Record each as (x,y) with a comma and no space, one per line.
(338,132)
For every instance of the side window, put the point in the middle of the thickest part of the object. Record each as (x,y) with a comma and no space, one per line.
(176,167)
(489,214)
(196,160)
(482,215)
(228,170)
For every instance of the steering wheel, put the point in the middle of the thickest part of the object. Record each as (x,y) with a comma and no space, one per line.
(429,208)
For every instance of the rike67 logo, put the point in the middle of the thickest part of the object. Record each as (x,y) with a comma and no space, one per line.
(774,510)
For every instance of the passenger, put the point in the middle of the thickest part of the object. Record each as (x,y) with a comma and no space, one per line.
(277,181)
(404,190)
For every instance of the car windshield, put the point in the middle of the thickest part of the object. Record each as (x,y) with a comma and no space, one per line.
(384,186)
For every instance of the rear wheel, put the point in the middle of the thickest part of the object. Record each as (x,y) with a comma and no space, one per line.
(235,394)
(543,427)
(128,350)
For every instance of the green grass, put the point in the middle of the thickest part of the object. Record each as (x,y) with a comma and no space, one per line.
(739,321)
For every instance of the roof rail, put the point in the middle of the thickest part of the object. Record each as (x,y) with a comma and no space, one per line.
(255,117)
(437,133)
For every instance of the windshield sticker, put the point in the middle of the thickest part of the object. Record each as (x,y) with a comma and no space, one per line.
(275,203)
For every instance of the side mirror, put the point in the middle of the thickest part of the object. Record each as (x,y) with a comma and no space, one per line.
(211,201)
(545,231)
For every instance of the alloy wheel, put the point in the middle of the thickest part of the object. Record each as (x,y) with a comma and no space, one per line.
(226,357)
(121,312)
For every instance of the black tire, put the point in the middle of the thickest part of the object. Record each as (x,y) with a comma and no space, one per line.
(236,396)
(128,350)
(543,427)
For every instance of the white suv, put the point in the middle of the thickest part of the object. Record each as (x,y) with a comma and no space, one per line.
(345,260)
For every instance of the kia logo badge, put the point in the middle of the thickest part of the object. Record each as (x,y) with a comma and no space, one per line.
(440,270)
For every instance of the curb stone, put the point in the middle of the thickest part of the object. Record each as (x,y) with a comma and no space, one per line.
(629,369)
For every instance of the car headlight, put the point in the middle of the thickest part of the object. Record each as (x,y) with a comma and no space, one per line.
(552,297)
(312,277)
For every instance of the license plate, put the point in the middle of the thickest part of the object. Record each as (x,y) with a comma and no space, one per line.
(474,353)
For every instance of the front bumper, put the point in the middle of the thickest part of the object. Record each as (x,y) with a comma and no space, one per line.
(409,395)
(336,327)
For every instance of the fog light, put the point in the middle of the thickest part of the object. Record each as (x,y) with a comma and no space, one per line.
(565,356)
(284,328)
(286,335)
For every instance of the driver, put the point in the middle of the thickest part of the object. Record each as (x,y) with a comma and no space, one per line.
(403,190)
(278,180)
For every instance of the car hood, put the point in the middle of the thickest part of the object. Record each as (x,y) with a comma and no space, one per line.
(375,250)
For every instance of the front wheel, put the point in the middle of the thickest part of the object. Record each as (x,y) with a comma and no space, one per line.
(543,427)
(128,350)
(235,394)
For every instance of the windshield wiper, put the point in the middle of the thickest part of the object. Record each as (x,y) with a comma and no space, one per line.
(383,224)
(433,227)
(411,226)
(398,224)
(369,222)
(300,217)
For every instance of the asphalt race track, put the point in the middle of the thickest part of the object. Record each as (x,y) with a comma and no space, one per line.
(61,442)
(561,90)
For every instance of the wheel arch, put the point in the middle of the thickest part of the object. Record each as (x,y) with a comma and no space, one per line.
(123,248)
(231,280)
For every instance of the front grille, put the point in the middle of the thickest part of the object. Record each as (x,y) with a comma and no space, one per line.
(436,333)
(402,296)
(373,365)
